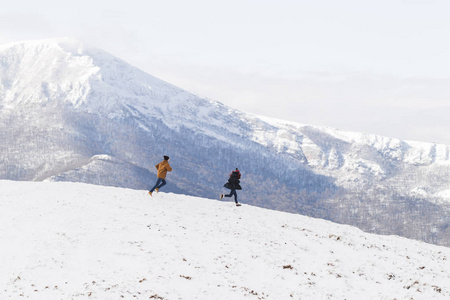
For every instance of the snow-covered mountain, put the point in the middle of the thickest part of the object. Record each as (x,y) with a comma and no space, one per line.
(72,113)
(79,241)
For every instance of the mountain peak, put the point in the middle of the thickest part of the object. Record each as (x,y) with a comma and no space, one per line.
(64,70)
(45,71)
(67,45)
(57,71)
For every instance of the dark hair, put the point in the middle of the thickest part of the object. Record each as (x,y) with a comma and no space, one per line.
(166,157)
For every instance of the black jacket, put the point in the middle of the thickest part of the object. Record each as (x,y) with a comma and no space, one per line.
(233,181)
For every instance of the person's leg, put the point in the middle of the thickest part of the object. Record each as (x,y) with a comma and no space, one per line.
(232,192)
(158,182)
(163,183)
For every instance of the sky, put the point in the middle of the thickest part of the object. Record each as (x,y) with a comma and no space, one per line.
(380,67)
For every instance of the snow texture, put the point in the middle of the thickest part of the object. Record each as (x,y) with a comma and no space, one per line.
(79,241)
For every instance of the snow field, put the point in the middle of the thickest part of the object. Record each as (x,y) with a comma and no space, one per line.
(79,241)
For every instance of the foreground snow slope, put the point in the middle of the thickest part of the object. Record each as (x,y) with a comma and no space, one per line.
(79,241)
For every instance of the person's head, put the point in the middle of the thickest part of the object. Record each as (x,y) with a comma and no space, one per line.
(237,170)
(166,157)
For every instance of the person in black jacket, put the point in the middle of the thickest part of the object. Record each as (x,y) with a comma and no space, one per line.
(233,185)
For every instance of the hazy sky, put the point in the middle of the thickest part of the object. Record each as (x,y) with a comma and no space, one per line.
(373,66)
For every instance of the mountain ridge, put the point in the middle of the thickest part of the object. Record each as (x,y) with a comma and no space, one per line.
(64,105)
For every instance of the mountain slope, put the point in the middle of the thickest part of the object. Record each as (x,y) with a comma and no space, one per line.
(90,103)
(71,241)
(72,113)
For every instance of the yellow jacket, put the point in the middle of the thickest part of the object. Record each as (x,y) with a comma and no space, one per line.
(163,167)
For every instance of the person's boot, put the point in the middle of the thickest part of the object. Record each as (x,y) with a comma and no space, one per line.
(150,193)
(221,196)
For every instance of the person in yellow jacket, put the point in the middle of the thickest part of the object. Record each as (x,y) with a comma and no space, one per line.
(163,167)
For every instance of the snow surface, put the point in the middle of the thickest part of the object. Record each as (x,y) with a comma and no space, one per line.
(79,241)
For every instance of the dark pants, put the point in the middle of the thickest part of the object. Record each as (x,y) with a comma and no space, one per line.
(233,192)
(159,184)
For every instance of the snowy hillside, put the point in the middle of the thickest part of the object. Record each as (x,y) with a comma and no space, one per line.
(79,241)
(69,112)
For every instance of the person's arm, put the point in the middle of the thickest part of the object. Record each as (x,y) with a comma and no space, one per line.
(168,168)
(157,167)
